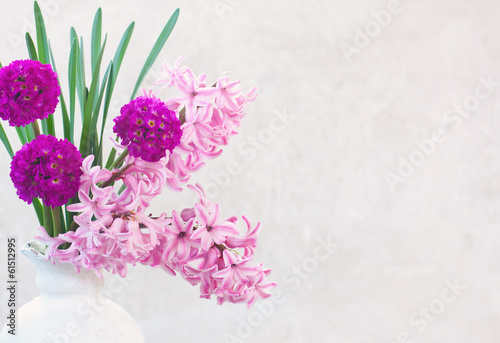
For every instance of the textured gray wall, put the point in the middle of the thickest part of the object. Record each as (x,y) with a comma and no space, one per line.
(373,156)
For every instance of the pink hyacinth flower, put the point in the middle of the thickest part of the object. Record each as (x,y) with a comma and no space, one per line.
(211,228)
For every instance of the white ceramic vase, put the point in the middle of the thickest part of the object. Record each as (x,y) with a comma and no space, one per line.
(70,309)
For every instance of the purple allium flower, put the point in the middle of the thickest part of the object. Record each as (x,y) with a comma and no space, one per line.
(28,91)
(47,168)
(148,128)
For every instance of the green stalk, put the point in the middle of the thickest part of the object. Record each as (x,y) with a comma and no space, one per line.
(119,160)
(47,221)
(62,218)
(36,128)
(28,129)
(111,158)
(56,214)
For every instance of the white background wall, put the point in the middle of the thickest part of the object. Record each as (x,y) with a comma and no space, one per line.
(351,122)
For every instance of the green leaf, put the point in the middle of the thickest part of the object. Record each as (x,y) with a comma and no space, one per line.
(45,127)
(41,36)
(22,135)
(120,51)
(47,220)
(98,159)
(96,39)
(160,42)
(31,47)
(57,221)
(72,35)
(98,102)
(64,109)
(62,221)
(117,62)
(88,131)
(70,215)
(5,141)
(111,158)
(66,122)
(97,108)
(28,129)
(73,55)
(80,79)
(48,126)
(38,209)
(43,57)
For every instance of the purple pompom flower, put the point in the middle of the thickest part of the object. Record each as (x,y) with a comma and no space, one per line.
(28,91)
(148,128)
(47,168)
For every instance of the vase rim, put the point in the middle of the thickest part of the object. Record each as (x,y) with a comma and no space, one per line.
(34,249)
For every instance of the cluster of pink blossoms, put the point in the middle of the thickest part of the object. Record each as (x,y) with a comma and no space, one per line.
(209,116)
(114,229)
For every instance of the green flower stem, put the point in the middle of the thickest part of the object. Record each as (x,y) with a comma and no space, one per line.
(36,128)
(47,221)
(73,226)
(119,160)
(122,188)
(56,215)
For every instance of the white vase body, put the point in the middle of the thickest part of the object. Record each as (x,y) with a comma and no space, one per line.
(70,309)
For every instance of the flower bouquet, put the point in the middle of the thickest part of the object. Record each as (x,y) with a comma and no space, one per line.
(93,211)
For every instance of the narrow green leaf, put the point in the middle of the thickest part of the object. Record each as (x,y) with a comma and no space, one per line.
(52,127)
(43,57)
(72,35)
(47,220)
(41,36)
(57,221)
(73,55)
(120,51)
(96,38)
(85,141)
(109,90)
(5,141)
(38,209)
(31,47)
(22,135)
(48,126)
(111,158)
(98,102)
(95,116)
(62,220)
(117,61)
(64,109)
(160,42)
(70,215)
(80,79)
(66,122)
(30,135)
(45,127)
